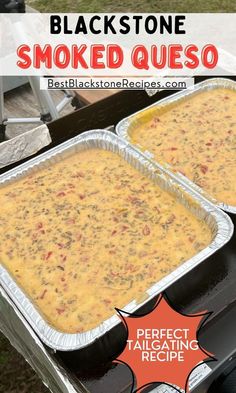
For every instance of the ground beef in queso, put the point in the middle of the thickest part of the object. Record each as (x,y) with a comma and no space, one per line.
(91,233)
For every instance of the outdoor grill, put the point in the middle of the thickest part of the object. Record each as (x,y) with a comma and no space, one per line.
(209,286)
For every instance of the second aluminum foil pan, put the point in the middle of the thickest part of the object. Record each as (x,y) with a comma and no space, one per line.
(124,127)
(220,224)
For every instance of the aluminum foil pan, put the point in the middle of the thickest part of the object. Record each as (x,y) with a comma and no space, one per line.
(124,127)
(219,223)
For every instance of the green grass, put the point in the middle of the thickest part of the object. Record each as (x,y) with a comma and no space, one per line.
(133,6)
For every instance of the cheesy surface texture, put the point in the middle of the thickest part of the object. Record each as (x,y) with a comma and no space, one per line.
(91,233)
(197,137)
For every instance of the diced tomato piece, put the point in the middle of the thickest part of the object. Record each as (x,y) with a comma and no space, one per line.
(71,221)
(146,230)
(61,194)
(107,301)
(39,225)
(60,310)
(204,168)
(47,256)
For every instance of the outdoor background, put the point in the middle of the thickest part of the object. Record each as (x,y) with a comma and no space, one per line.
(134,6)
(16,375)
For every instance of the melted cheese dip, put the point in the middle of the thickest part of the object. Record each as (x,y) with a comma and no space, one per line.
(197,137)
(91,233)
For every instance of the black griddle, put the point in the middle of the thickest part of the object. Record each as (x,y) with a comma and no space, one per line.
(210,286)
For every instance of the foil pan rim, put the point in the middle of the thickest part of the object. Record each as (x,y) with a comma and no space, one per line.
(69,342)
(123,126)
